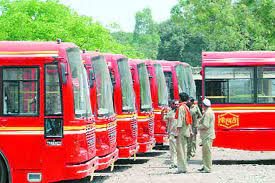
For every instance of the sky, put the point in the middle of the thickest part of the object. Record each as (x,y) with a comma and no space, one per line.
(121,11)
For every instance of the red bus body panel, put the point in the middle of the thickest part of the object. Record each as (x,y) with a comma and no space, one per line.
(146,138)
(22,141)
(248,126)
(105,126)
(126,121)
(160,126)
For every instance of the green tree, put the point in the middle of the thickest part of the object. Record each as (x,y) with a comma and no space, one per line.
(49,20)
(145,36)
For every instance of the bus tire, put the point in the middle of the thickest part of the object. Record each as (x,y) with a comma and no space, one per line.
(3,172)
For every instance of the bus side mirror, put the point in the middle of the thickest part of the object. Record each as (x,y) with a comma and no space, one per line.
(92,78)
(64,73)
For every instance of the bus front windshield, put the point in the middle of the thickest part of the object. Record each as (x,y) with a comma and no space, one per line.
(162,87)
(191,82)
(103,87)
(182,79)
(128,96)
(145,93)
(82,106)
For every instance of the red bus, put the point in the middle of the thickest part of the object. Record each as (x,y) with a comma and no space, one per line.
(159,95)
(124,101)
(141,82)
(179,79)
(102,104)
(241,87)
(47,130)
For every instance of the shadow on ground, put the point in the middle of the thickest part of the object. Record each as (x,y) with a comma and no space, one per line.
(244,162)
(151,154)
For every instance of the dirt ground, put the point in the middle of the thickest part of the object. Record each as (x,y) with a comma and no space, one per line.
(230,166)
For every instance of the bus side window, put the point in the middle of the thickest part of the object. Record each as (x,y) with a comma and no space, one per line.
(20,91)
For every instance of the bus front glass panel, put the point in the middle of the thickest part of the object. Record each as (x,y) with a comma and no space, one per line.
(182,79)
(162,87)
(81,93)
(191,82)
(128,96)
(169,84)
(145,94)
(53,104)
(103,87)
(266,84)
(20,91)
(229,84)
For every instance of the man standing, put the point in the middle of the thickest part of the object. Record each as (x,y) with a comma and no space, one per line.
(172,129)
(184,120)
(196,115)
(207,133)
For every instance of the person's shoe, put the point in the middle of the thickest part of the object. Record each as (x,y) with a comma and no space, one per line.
(201,169)
(205,171)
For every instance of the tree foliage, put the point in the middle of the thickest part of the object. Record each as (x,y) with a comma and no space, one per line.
(49,20)
(222,25)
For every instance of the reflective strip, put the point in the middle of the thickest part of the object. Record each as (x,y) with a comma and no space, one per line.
(21,128)
(244,108)
(39,128)
(242,59)
(27,52)
(126,115)
(101,130)
(22,133)
(36,55)
(38,132)
(243,111)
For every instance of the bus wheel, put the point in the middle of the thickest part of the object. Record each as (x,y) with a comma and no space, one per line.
(3,172)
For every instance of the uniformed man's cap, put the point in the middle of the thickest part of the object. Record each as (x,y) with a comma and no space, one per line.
(206,102)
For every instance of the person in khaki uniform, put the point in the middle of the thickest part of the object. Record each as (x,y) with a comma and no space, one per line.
(192,141)
(184,121)
(172,129)
(207,133)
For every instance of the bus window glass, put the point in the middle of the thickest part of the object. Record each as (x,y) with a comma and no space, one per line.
(266,85)
(104,88)
(82,105)
(20,91)
(128,96)
(170,86)
(191,82)
(162,88)
(145,93)
(53,104)
(229,84)
(182,79)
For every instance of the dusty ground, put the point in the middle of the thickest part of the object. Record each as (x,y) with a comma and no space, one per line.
(230,166)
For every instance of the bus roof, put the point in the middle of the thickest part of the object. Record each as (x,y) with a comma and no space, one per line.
(87,56)
(32,48)
(239,58)
(136,61)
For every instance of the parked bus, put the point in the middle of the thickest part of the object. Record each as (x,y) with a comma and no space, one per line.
(124,101)
(159,95)
(47,130)
(141,82)
(241,87)
(179,79)
(102,103)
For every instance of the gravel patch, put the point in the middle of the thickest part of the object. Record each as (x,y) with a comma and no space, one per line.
(230,166)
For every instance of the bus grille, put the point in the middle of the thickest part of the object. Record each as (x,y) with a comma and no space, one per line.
(112,134)
(90,136)
(134,128)
(151,126)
